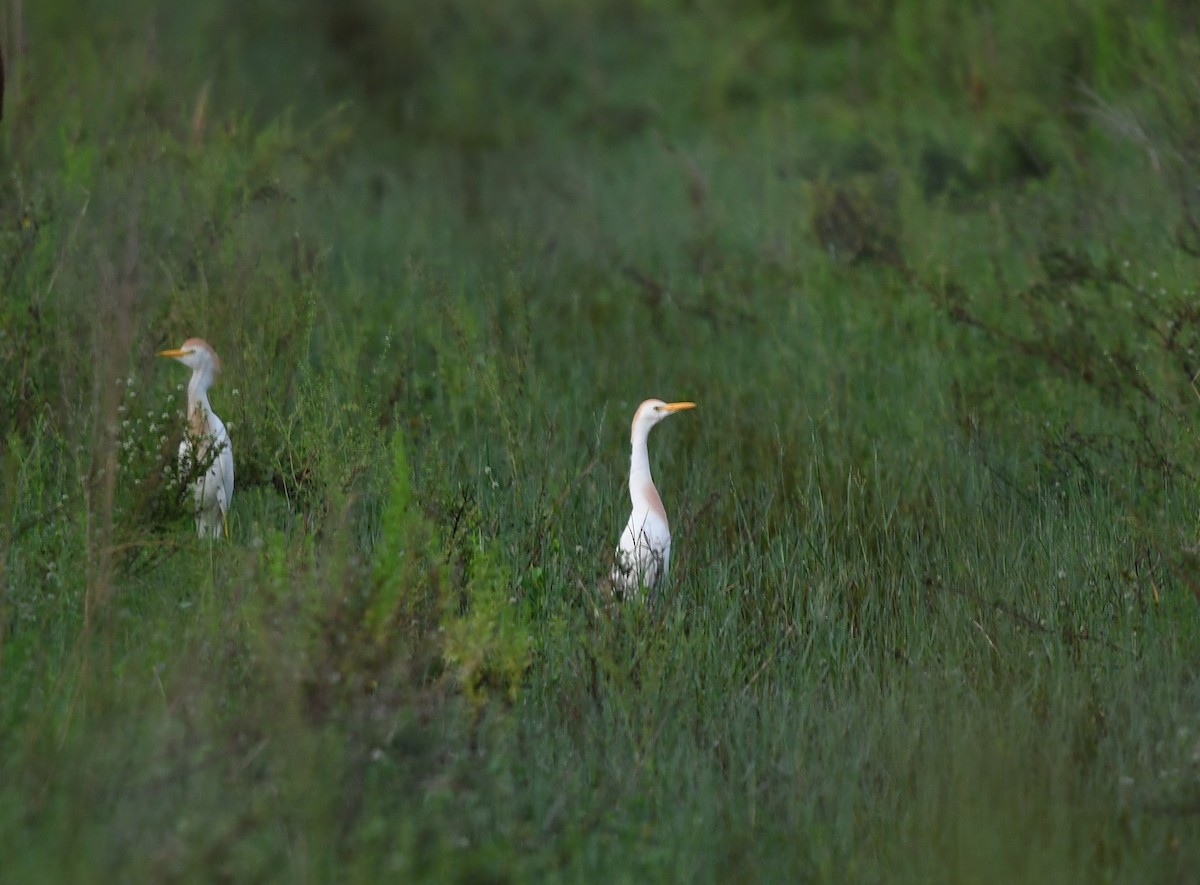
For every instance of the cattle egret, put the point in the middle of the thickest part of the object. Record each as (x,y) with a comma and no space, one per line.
(207,441)
(644,552)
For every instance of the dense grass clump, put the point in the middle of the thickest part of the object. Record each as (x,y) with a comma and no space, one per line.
(930,271)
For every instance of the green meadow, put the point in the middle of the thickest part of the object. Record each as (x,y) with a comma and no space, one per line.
(931,272)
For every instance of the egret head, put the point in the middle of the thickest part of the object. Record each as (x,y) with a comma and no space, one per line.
(196,354)
(652,411)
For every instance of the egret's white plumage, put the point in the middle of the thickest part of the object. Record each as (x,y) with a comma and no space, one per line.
(207,440)
(644,551)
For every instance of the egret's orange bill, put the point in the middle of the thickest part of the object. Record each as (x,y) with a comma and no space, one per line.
(172,353)
(676,407)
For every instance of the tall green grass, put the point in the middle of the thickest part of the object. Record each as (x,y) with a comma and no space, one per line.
(928,271)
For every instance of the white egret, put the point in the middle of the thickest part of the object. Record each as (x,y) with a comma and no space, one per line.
(644,551)
(207,440)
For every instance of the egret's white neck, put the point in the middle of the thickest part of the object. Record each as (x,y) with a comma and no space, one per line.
(639,461)
(198,391)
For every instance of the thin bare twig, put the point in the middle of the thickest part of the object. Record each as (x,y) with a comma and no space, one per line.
(1021,618)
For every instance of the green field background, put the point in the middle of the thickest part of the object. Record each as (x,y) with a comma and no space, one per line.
(928,268)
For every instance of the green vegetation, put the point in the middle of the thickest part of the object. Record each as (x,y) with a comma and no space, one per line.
(930,271)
